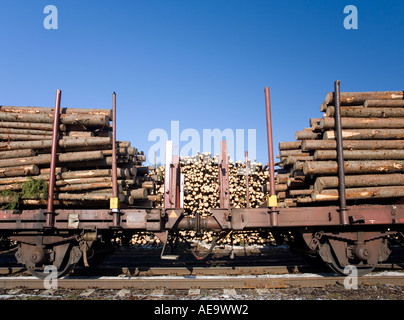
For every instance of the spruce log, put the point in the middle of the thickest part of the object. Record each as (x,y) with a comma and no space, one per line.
(307,135)
(360,154)
(39,110)
(23,137)
(62,143)
(293,159)
(357,98)
(300,192)
(25,131)
(363,180)
(29,170)
(296,152)
(155,197)
(148,184)
(290,145)
(361,112)
(78,134)
(22,179)
(308,145)
(304,200)
(360,193)
(17,153)
(282,178)
(29,125)
(363,123)
(84,186)
(140,193)
(46,158)
(353,167)
(62,182)
(90,196)
(384,103)
(73,119)
(47,170)
(357,134)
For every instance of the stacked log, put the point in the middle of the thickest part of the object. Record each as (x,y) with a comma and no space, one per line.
(373,150)
(84,158)
(201,183)
(201,193)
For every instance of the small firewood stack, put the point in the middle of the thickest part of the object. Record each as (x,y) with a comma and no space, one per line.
(373,144)
(84,159)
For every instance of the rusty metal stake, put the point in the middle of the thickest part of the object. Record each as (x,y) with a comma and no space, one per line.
(343,213)
(114,201)
(223,177)
(272,199)
(247,187)
(50,215)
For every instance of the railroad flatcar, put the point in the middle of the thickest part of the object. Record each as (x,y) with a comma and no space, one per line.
(343,231)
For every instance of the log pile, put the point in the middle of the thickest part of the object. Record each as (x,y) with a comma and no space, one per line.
(373,150)
(201,183)
(202,193)
(84,158)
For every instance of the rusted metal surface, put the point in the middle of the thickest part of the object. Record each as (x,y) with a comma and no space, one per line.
(272,209)
(114,167)
(247,187)
(220,282)
(49,213)
(340,157)
(116,215)
(241,218)
(172,179)
(224,183)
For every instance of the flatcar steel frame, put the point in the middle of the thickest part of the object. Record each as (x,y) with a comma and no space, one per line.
(341,235)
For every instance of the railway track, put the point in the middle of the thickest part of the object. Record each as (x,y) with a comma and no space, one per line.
(384,285)
(150,280)
(206,278)
(203,282)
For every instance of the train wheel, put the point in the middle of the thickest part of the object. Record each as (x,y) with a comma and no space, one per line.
(332,261)
(40,261)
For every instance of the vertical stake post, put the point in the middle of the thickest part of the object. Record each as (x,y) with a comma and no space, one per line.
(272,199)
(343,213)
(247,187)
(114,201)
(50,215)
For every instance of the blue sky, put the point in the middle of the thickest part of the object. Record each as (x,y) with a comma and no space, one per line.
(202,63)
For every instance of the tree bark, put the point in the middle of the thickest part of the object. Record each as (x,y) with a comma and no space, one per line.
(353,167)
(308,145)
(360,154)
(361,112)
(364,180)
(363,123)
(360,193)
(358,134)
(71,119)
(357,98)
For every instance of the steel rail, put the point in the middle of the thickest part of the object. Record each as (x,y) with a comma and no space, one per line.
(201,282)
